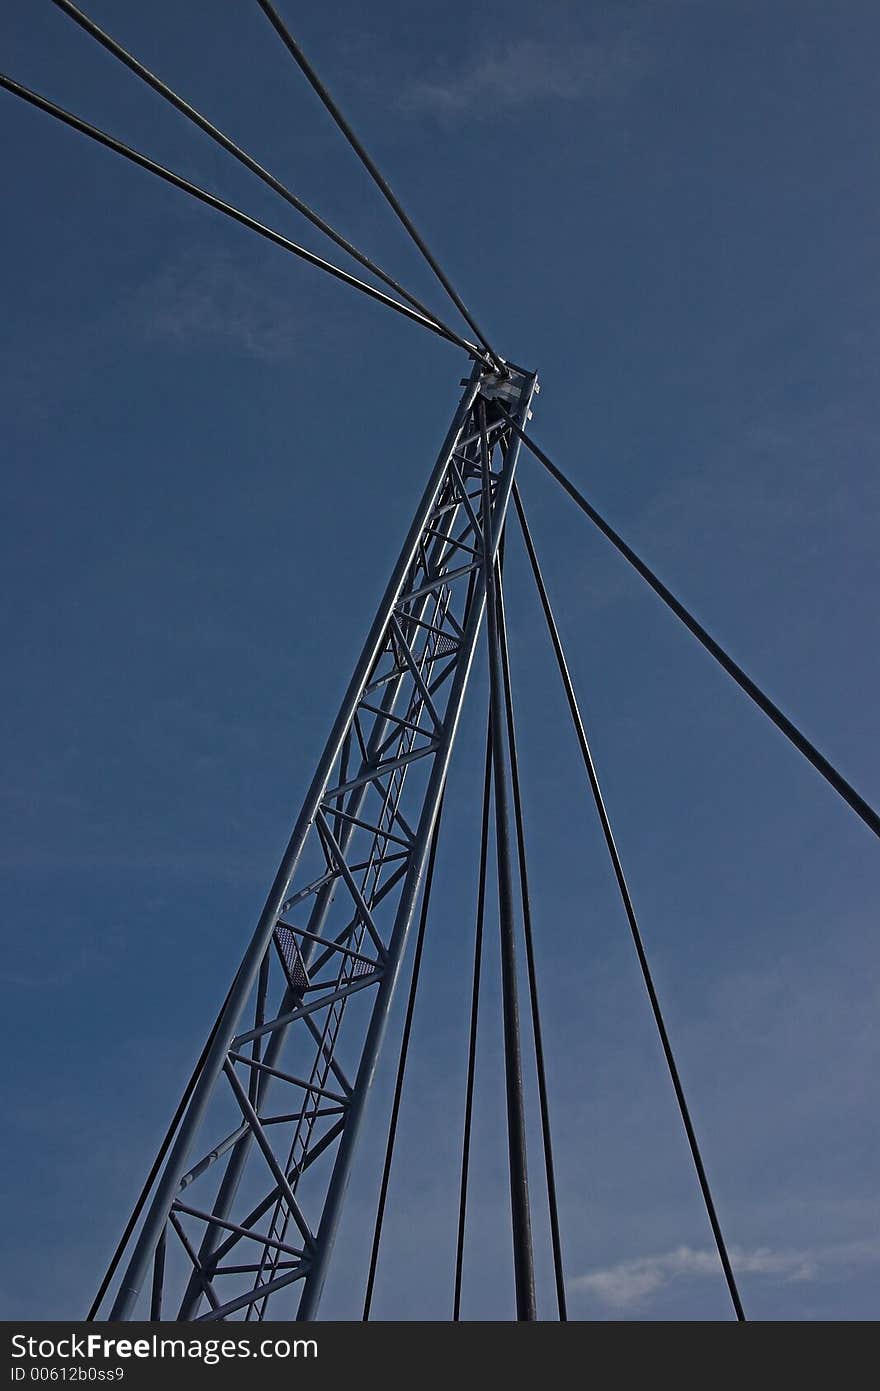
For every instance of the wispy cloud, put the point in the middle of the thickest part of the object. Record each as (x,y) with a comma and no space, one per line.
(629,1283)
(528,71)
(198,298)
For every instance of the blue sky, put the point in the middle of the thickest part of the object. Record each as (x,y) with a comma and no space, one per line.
(670,210)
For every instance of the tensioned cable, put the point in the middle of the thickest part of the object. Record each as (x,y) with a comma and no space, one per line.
(401,1065)
(202,195)
(306,68)
(157,1164)
(472,1039)
(138,68)
(791,732)
(518,821)
(630,910)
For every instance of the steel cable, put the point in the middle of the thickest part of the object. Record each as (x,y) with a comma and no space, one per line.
(225,143)
(630,911)
(401,1066)
(318,86)
(203,196)
(831,775)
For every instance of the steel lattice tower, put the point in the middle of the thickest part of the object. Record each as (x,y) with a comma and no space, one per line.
(277,1102)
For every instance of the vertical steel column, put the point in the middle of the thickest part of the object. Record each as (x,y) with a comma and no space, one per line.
(525,898)
(473,1031)
(524,1271)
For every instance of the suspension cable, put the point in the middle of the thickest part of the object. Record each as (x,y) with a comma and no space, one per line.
(630,910)
(401,1065)
(203,196)
(306,68)
(138,68)
(472,1039)
(549,1168)
(763,701)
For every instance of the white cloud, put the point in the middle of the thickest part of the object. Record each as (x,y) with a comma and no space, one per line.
(526,71)
(211,298)
(630,1282)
